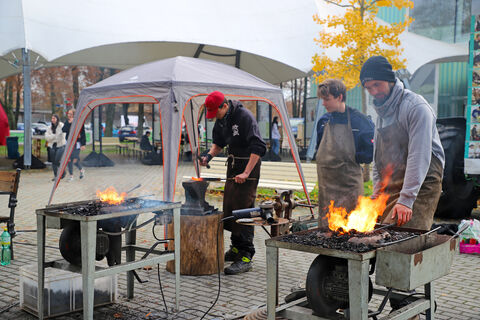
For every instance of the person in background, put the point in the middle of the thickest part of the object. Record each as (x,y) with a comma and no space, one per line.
(236,127)
(145,142)
(56,140)
(275,136)
(79,145)
(344,142)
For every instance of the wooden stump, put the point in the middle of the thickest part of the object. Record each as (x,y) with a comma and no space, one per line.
(198,250)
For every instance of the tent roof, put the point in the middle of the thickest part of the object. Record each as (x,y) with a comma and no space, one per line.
(122,34)
(184,71)
(271,39)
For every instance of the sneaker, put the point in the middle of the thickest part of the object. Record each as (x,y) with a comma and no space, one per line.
(71,178)
(232,254)
(82,173)
(240,266)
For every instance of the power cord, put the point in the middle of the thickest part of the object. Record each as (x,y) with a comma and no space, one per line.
(218,274)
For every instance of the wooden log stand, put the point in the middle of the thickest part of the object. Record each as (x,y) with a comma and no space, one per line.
(199,245)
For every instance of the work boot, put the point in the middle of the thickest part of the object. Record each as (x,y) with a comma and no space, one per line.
(232,254)
(239,266)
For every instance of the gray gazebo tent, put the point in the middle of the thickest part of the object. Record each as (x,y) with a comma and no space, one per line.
(178,86)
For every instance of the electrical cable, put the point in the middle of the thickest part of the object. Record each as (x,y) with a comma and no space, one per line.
(9,307)
(129,229)
(219,280)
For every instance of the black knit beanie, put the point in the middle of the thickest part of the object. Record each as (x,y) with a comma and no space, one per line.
(377,68)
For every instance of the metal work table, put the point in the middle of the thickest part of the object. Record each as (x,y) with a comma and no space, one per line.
(88,232)
(358,285)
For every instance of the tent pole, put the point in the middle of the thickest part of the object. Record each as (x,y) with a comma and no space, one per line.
(27,110)
(305,112)
(100,126)
(93,130)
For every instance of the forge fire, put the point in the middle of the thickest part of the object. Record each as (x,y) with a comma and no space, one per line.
(111,196)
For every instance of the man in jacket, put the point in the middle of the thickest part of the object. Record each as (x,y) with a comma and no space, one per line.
(236,128)
(344,142)
(407,141)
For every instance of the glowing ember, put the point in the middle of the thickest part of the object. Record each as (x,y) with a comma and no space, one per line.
(197,179)
(364,217)
(111,196)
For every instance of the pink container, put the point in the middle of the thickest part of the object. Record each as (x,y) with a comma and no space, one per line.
(469,248)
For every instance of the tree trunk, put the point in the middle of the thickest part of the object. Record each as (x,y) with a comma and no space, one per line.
(110,115)
(125,113)
(75,87)
(140,121)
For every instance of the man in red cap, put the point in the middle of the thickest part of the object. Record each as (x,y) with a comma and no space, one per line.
(236,128)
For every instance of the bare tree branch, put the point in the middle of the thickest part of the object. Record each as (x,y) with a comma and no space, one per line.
(339,5)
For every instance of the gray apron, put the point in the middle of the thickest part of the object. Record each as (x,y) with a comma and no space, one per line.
(339,175)
(391,147)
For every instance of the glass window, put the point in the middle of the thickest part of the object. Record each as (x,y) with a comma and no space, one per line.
(434,19)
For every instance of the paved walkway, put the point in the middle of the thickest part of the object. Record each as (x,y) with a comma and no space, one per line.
(458,294)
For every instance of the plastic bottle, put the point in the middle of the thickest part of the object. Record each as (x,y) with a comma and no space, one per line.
(6,253)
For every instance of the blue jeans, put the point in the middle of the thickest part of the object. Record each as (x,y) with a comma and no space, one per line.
(276,146)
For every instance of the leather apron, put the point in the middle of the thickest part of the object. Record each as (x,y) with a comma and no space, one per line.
(391,148)
(339,175)
(240,196)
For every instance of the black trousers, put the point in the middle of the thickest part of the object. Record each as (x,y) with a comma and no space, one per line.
(240,196)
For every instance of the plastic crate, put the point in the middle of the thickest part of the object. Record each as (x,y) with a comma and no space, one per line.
(469,248)
(62,292)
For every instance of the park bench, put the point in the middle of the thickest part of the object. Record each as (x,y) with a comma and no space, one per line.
(273,174)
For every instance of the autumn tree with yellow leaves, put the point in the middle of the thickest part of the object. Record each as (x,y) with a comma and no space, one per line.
(358,36)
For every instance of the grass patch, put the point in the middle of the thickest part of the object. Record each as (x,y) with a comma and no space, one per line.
(269,194)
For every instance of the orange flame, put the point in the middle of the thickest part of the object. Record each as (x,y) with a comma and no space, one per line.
(111,196)
(197,179)
(364,217)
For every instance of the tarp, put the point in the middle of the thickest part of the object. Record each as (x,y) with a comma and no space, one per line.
(4,127)
(178,87)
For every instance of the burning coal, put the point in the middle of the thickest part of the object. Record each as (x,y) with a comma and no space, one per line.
(111,196)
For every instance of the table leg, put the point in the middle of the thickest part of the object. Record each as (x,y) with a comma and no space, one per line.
(41,264)
(88,231)
(272,285)
(176,231)
(358,289)
(130,241)
(430,294)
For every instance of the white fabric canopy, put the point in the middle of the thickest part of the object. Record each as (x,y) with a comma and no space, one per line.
(274,38)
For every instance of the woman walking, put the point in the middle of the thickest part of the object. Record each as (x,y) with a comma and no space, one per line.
(56,140)
(79,145)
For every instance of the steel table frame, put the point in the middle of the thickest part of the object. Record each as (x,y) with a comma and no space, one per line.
(88,232)
(358,280)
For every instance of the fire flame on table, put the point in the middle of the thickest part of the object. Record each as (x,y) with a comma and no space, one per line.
(364,217)
(111,196)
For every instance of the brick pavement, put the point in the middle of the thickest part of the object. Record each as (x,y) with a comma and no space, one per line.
(458,294)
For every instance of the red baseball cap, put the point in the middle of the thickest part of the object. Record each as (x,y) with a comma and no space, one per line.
(212,102)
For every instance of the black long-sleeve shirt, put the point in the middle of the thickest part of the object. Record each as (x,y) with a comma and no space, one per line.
(239,130)
(82,139)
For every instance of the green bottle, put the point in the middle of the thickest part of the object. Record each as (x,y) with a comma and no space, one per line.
(6,252)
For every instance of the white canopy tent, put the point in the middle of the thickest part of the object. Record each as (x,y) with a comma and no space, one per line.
(271,39)
(178,87)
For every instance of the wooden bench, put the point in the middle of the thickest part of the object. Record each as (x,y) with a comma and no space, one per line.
(275,175)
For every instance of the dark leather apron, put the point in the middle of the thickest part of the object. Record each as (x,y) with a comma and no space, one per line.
(240,196)
(391,148)
(339,175)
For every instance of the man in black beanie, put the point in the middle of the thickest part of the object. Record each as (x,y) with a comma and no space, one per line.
(406,140)
(407,146)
